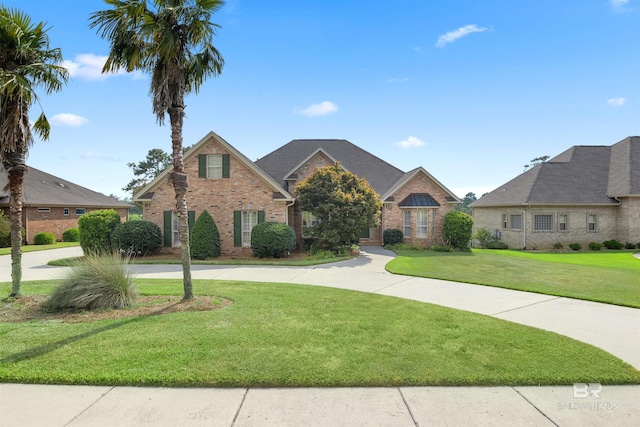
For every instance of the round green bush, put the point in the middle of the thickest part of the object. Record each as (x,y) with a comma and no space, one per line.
(272,240)
(205,238)
(497,245)
(458,228)
(391,236)
(613,244)
(137,238)
(95,231)
(44,238)
(71,235)
(595,246)
(575,246)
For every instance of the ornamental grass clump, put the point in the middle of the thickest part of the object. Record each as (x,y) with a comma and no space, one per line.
(100,281)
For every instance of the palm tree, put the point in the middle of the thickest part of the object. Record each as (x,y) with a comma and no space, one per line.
(27,64)
(173,41)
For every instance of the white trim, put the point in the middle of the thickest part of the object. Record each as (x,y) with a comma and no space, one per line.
(410,175)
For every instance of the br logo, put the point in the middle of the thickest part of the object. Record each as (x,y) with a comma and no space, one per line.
(582,390)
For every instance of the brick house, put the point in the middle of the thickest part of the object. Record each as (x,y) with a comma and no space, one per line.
(239,193)
(53,204)
(585,194)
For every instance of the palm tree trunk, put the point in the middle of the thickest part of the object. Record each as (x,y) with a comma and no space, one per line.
(180,181)
(16,179)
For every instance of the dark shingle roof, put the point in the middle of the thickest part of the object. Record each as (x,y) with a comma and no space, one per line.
(380,174)
(418,200)
(580,175)
(43,189)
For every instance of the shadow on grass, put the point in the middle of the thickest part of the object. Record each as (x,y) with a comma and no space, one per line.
(48,348)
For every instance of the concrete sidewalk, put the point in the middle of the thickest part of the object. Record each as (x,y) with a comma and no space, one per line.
(76,406)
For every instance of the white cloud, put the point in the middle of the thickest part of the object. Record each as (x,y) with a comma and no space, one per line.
(452,36)
(411,142)
(618,3)
(616,102)
(67,119)
(321,109)
(100,156)
(89,66)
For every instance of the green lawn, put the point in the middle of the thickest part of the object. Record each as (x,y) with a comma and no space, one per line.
(33,248)
(294,335)
(611,277)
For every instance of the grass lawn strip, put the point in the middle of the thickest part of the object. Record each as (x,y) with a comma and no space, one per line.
(276,335)
(609,277)
(35,248)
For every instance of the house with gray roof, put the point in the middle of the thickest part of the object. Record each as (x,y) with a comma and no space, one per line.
(53,204)
(585,194)
(240,193)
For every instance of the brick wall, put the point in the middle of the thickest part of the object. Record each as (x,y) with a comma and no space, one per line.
(607,225)
(393,215)
(56,221)
(220,197)
(628,219)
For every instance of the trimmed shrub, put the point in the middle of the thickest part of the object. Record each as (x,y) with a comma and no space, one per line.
(484,236)
(95,231)
(272,240)
(458,228)
(391,236)
(441,248)
(557,246)
(101,281)
(404,247)
(71,235)
(497,245)
(5,231)
(575,246)
(630,245)
(205,238)
(137,238)
(44,238)
(612,244)
(595,246)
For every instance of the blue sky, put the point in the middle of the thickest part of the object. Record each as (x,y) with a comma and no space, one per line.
(469,89)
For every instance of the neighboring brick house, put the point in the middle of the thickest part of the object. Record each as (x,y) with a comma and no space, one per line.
(53,204)
(239,193)
(585,194)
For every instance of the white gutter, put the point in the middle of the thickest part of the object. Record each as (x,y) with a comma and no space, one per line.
(286,212)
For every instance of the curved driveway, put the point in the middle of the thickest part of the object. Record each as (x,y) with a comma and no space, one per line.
(612,328)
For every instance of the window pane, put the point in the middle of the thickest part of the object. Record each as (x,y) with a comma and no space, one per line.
(516,222)
(504,221)
(562,223)
(214,166)
(421,223)
(591,222)
(249,220)
(542,222)
(406,222)
(175,233)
